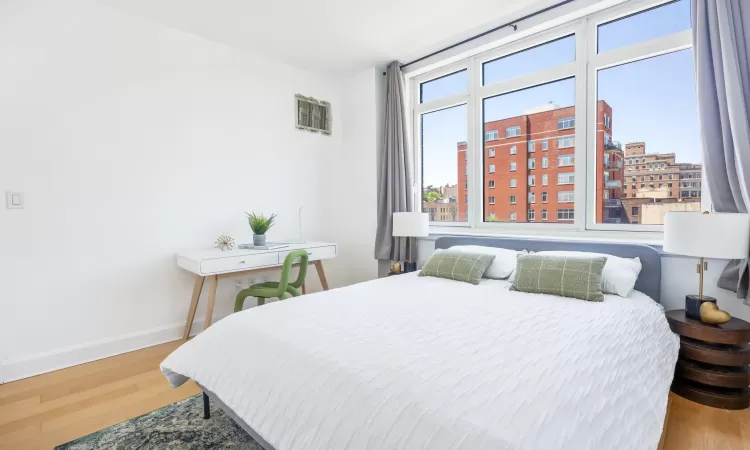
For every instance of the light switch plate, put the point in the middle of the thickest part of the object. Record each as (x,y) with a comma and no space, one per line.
(13,200)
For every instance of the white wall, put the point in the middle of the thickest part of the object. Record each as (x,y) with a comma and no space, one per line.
(678,279)
(132,141)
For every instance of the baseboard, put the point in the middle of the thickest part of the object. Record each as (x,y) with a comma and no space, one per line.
(40,363)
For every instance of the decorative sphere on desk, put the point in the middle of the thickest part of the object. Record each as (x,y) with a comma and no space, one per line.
(225,243)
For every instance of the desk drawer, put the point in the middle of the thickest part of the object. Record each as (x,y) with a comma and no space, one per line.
(236,263)
(329,251)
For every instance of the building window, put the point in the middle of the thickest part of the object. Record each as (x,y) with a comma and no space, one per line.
(565,214)
(566,178)
(491,152)
(491,215)
(513,182)
(566,196)
(544,214)
(492,168)
(545,162)
(634,212)
(532,197)
(566,142)
(545,144)
(491,184)
(512,149)
(490,135)
(544,197)
(532,180)
(544,179)
(531,215)
(512,217)
(512,199)
(491,200)
(532,163)
(512,167)
(565,160)
(512,132)
(564,124)
(532,147)
(607,121)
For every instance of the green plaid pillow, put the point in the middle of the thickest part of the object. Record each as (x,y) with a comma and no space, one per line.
(566,276)
(459,266)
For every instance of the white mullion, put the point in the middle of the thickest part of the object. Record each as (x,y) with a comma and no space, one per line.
(591,116)
(443,103)
(530,80)
(472,146)
(581,167)
(643,50)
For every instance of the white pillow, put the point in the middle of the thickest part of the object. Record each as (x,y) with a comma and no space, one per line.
(502,266)
(619,274)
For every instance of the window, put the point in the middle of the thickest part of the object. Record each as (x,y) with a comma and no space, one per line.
(544,214)
(565,160)
(491,200)
(544,197)
(564,124)
(566,142)
(527,91)
(491,215)
(512,217)
(531,215)
(565,214)
(512,199)
(444,136)
(634,211)
(532,197)
(566,178)
(566,197)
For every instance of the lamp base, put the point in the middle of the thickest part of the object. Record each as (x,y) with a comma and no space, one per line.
(693,305)
(410,266)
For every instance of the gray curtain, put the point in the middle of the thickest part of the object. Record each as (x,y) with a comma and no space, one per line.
(395,176)
(721,38)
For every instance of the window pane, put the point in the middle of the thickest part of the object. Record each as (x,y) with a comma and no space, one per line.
(650,24)
(533,114)
(455,83)
(650,139)
(444,165)
(541,57)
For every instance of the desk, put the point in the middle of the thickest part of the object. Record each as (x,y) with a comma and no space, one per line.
(216,264)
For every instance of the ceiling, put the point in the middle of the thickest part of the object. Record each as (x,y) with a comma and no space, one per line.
(332,35)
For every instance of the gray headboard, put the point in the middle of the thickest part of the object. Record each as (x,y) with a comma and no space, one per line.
(649,281)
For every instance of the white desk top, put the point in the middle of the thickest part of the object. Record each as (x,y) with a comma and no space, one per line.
(211,253)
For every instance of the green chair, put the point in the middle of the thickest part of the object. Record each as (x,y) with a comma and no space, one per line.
(278,289)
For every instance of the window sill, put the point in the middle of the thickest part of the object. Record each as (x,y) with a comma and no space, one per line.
(654,239)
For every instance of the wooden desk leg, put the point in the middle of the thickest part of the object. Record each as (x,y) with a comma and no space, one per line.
(193,305)
(321,274)
(211,299)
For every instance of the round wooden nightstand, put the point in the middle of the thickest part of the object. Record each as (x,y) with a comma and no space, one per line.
(713,365)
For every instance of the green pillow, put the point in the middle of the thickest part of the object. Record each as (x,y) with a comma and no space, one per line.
(566,276)
(459,266)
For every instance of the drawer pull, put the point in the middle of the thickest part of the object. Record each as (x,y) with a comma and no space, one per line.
(241,262)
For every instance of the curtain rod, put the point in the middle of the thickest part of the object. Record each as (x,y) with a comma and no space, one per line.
(513,24)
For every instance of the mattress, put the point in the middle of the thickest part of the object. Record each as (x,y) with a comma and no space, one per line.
(411,362)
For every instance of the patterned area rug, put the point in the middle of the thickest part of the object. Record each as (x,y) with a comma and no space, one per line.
(176,426)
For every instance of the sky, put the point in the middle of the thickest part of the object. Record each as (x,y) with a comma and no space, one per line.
(652,100)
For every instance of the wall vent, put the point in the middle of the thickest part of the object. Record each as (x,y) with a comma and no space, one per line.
(313,115)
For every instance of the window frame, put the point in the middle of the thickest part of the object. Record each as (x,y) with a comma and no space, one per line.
(584,70)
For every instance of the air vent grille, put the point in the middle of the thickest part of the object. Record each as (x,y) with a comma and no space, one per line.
(313,115)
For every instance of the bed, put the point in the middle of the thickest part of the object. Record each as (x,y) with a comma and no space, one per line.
(411,362)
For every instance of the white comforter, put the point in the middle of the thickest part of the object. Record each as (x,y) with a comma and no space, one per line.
(417,362)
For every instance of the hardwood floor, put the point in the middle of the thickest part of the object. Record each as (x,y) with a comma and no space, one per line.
(54,408)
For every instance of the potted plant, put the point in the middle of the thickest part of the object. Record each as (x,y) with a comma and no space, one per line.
(260,225)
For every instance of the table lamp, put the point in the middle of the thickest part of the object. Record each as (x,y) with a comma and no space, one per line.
(716,235)
(409,225)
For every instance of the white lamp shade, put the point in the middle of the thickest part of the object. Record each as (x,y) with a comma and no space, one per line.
(411,224)
(717,235)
